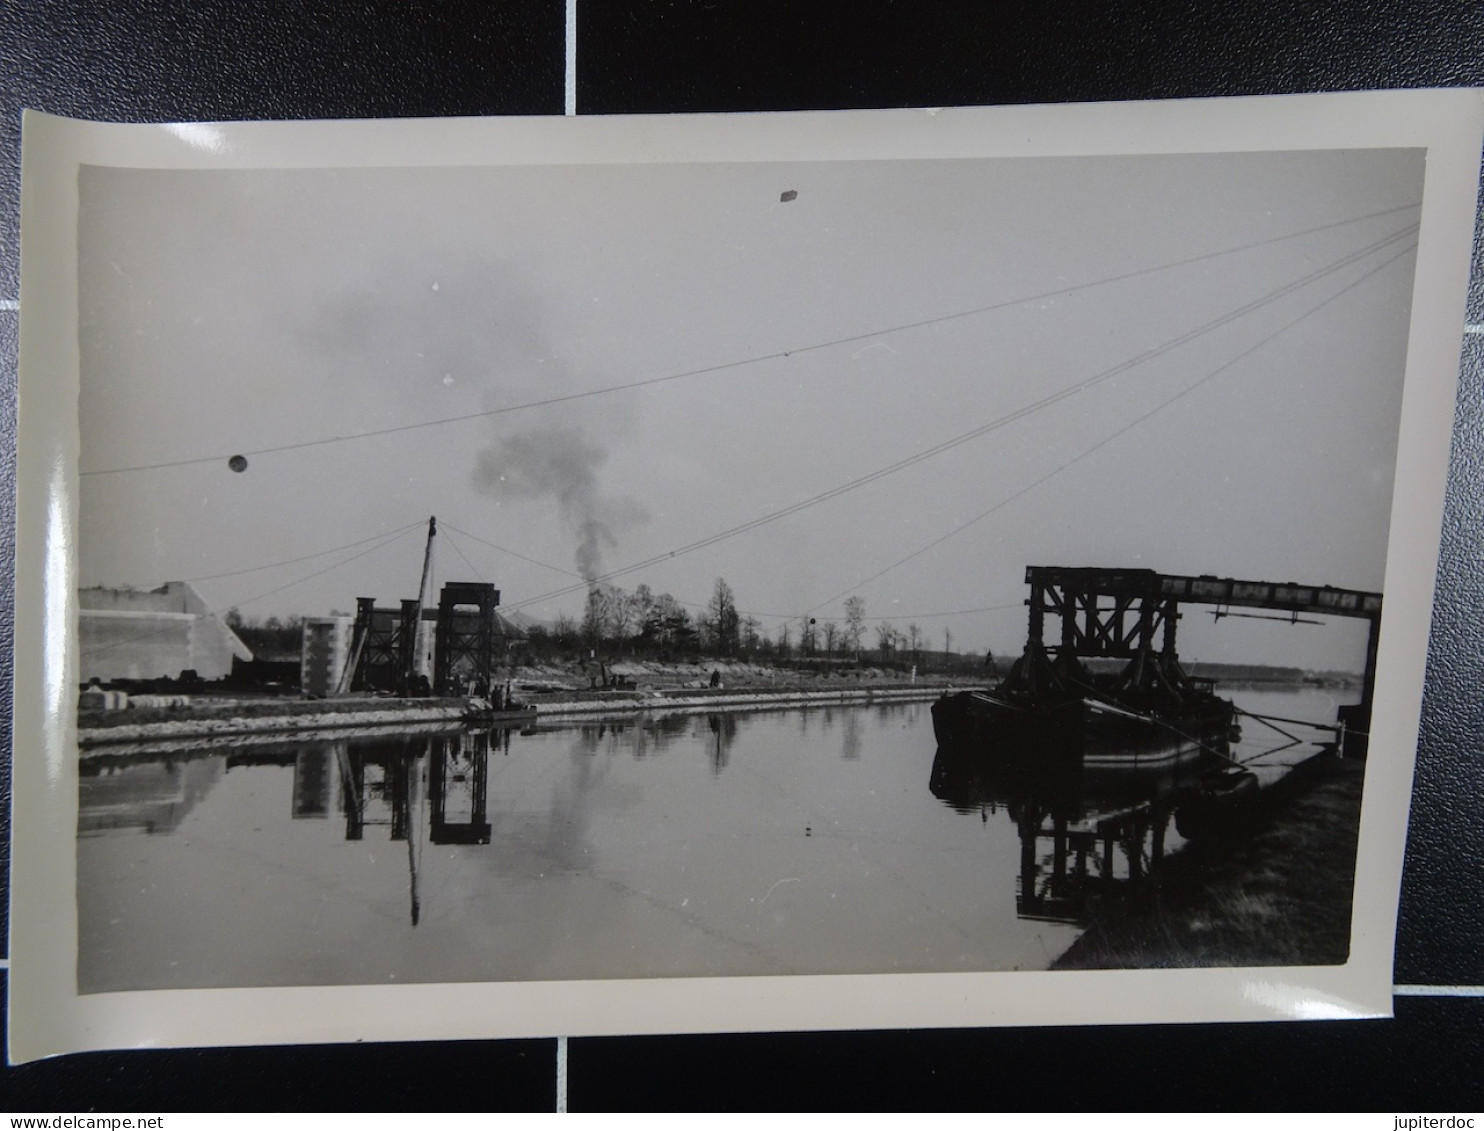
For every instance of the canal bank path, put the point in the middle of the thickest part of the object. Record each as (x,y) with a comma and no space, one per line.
(108,731)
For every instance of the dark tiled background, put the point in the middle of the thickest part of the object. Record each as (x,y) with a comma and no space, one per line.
(157,60)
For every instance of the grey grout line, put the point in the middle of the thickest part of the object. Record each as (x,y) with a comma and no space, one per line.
(569,105)
(1438,991)
(1473,328)
(561,1074)
(10,304)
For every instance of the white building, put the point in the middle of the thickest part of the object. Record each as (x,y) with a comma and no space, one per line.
(152,634)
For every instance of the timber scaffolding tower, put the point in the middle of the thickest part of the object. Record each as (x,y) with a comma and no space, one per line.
(386,645)
(1118,613)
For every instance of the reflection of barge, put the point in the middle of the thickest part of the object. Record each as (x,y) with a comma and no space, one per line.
(1085,833)
(1093,828)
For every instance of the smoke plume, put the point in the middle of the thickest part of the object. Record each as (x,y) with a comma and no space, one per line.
(561,464)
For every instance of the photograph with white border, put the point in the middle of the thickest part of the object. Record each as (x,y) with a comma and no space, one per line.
(723,572)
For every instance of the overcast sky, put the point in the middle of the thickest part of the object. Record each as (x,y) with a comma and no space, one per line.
(232,312)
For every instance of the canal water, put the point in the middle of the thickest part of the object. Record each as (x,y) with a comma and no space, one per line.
(823,840)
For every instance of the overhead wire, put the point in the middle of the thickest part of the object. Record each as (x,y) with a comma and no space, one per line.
(754,359)
(387,537)
(924,616)
(329,568)
(570,573)
(1109,439)
(512,553)
(304,558)
(999,422)
(574,574)
(448,532)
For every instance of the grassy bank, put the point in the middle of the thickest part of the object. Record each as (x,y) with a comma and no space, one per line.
(1279,896)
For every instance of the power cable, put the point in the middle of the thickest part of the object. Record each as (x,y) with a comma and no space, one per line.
(751,360)
(447,530)
(392,536)
(306,557)
(993,425)
(570,573)
(512,553)
(1108,440)
(328,568)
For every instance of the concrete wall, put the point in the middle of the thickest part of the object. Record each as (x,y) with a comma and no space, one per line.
(152,634)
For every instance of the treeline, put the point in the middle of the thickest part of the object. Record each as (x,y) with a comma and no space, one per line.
(273,638)
(644,624)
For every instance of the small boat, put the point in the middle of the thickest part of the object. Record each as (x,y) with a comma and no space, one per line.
(478,710)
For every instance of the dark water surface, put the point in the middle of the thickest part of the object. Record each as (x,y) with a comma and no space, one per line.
(824,840)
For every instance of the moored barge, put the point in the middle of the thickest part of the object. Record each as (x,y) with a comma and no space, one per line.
(1111,692)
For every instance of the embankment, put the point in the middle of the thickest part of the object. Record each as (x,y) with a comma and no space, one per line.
(552,694)
(1280,895)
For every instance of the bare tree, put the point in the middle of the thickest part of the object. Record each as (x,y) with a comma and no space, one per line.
(595,617)
(643,601)
(855,617)
(947,641)
(564,631)
(914,640)
(752,634)
(886,639)
(725,621)
(637,607)
(668,626)
(831,633)
(622,615)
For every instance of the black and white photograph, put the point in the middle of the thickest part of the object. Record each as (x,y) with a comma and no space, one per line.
(689,567)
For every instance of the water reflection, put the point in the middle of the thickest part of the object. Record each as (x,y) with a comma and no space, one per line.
(152,796)
(674,845)
(850,748)
(723,728)
(1080,830)
(313,783)
(1085,832)
(377,786)
(458,789)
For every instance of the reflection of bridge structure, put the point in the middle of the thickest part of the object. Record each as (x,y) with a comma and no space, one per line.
(379,788)
(1084,834)
(1118,613)
(458,788)
(379,781)
(1087,857)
